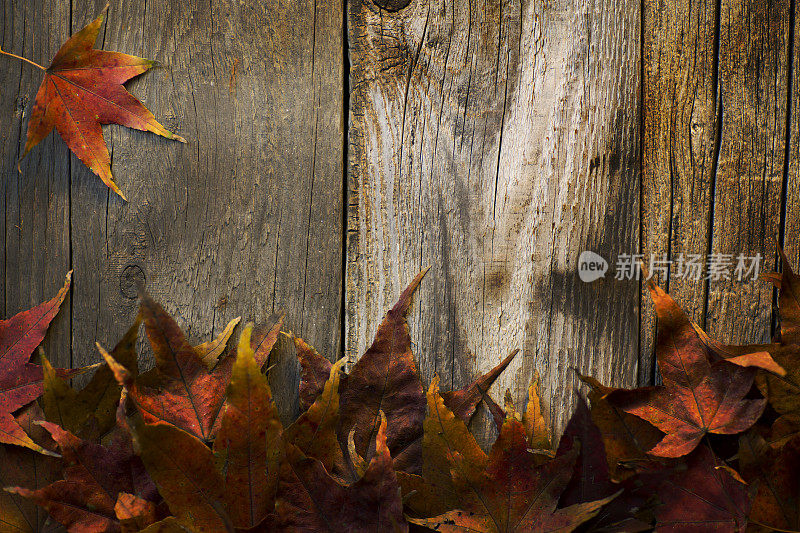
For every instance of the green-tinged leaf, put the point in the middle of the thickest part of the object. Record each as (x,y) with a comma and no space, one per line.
(183,468)
(248,441)
(314,432)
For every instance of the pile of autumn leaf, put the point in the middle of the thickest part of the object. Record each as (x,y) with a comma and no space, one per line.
(196,444)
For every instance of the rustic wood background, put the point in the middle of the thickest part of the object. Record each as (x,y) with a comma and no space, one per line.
(336,149)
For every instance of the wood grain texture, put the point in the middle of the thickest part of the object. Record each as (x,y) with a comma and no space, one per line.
(679,96)
(246,219)
(35,222)
(749,182)
(715,90)
(494,141)
(791,221)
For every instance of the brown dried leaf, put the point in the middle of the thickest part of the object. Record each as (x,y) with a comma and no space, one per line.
(309,500)
(386,379)
(510,490)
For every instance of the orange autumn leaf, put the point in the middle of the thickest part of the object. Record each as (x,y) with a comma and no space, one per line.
(82,89)
(134,513)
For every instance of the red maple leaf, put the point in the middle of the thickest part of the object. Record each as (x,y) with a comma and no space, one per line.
(702,495)
(698,396)
(21,381)
(82,89)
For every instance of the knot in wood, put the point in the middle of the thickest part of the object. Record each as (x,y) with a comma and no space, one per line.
(131,280)
(392,5)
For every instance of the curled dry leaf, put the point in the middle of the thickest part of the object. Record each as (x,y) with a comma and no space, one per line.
(311,500)
(508,490)
(314,432)
(210,351)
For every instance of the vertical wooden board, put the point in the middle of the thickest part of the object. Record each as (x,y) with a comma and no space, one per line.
(715,97)
(791,222)
(494,141)
(246,219)
(36,231)
(679,93)
(753,79)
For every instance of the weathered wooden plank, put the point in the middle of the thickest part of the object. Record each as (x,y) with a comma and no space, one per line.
(748,190)
(715,89)
(246,219)
(36,232)
(679,93)
(496,140)
(791,222)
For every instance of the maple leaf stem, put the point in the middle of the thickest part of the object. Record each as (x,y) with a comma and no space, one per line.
(37,65)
